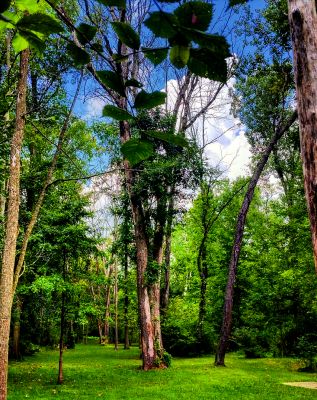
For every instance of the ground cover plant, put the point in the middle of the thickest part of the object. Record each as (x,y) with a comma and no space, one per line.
(93,371)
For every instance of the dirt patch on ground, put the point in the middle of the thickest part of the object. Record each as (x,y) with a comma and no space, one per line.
(307,385)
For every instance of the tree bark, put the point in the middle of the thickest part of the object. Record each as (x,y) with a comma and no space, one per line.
(16,328)
(60,378)
(303,23)
(236,248)
(11,232)
(126,299)
(116,333)
(165,292)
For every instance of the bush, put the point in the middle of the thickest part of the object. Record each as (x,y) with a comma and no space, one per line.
(306,349)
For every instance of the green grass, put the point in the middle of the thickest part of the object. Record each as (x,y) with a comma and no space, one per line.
(96,372)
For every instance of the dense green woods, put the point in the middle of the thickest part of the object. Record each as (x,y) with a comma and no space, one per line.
(124,226)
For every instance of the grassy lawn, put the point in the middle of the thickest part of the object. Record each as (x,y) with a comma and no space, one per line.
(96,372)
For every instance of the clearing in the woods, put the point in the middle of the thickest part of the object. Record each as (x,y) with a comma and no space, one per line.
(98,372)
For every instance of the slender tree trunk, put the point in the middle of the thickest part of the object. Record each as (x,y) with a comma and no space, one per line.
(228,306)
(165,291)
(60,378)
(203,274)
(11,232)
(126,299)
(116,333)
(154,289)
(303,22)
(107,304)
(16,314)
(40,200)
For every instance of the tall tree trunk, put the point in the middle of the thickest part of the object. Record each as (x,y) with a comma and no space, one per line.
(60,378)
(303,22)
(157,255)
(228,306)
(38,205)
(126,299)
(11,232)
(16,317)
(203,274)
(116,333)
(165,291)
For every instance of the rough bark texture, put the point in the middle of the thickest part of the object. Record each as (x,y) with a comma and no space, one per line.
(11,234)
(16,317)
(228,306)
(303,22)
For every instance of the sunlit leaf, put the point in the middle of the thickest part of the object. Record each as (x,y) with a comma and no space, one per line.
(32,6)
(113,81)
(116,113)
(126,34)
(35,42)
(162,24)
(19,43)
(156,56)
(146,100)
(194,14)
(179,56)
(137,150)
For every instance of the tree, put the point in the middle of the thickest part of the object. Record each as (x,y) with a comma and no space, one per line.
(303,23)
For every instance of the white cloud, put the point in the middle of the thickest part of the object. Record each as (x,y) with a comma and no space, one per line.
(93,108)
(219,131)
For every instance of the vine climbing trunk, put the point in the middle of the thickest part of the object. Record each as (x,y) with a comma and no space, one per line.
(11,227)
(303,23)
(236,248)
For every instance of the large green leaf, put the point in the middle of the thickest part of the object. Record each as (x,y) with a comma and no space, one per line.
(112,80)
(116,113)
(207,64)
(216,43)
(162,24)
(146,100)
(86,33)
(19,43)
(194,14)
(35,42)
(5,4)
(79,56)
(39,22)
(137,150)
(168,137)
(156,56)
(179,56)
(126,34)
(113,3)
